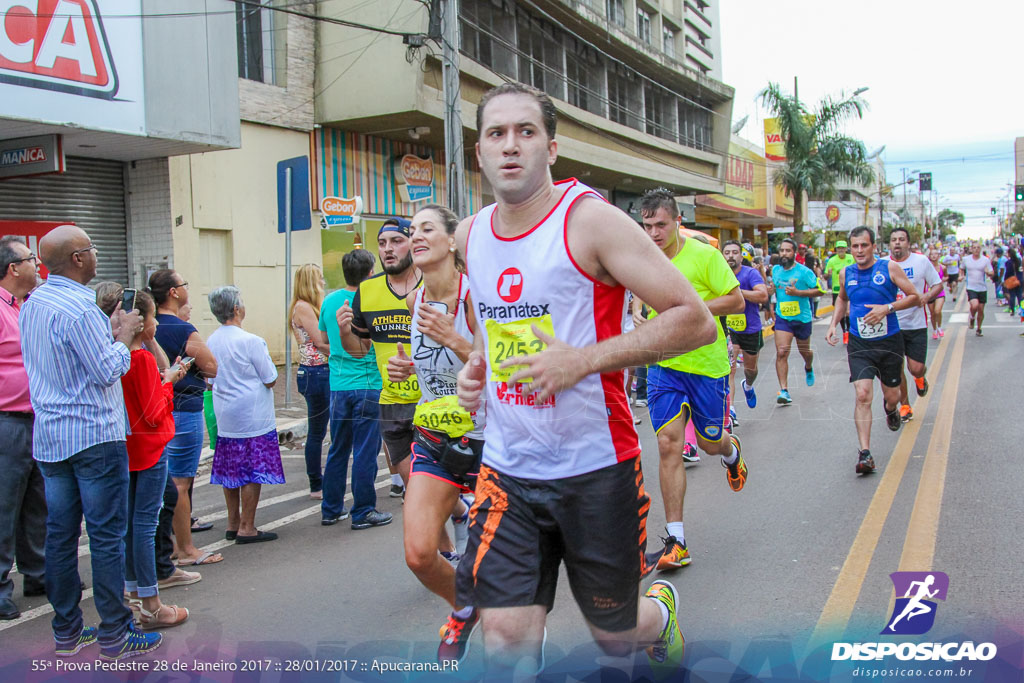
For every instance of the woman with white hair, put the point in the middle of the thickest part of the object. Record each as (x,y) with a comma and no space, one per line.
(247,454)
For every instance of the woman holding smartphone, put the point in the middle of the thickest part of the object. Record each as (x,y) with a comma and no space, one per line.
(448,440)
(149,401)
(179,339)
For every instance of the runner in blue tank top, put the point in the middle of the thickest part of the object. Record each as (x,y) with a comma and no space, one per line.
(869,291)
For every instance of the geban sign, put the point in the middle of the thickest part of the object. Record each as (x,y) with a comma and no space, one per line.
(56,45)
(415,178)
(832,213)
(340,211)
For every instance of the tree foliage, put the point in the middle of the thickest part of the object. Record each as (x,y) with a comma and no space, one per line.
(818,155)
(950,217)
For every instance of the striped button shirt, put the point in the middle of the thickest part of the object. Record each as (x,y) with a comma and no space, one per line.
(74,370)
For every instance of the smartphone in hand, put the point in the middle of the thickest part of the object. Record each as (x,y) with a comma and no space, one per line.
(128,300)
(438,305)
(185,362)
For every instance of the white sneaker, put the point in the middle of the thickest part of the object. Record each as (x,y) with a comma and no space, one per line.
(640,403)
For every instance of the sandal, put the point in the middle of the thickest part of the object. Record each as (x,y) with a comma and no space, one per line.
(154,620)
(205,558)
(180,577)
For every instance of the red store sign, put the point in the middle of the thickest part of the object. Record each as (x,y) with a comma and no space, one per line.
(56,45)
(31,232)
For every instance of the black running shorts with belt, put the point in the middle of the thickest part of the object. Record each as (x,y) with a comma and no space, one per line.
(521,530)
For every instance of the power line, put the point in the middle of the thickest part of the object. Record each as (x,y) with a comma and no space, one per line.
(284,9)
(327,20)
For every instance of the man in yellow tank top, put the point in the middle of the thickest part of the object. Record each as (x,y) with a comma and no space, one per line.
(379,317)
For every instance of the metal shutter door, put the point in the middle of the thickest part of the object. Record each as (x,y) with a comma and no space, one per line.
(89,194)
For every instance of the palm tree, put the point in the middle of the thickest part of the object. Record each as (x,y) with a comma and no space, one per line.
(818,155)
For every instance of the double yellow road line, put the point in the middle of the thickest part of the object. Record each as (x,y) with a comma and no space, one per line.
(922,531)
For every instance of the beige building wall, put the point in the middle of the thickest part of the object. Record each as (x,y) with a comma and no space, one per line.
(224,205)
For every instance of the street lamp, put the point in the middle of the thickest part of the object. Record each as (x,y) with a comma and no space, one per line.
(858,91)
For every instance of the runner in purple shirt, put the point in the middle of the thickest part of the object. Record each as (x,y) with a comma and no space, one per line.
(745,328)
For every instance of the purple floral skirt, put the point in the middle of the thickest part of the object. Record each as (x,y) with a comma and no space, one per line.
(254,460)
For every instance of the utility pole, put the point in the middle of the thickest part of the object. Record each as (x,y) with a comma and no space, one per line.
(904,191)
(287,285)
(454,153)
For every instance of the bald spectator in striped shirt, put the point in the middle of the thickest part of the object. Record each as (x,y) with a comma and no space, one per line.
(75,357)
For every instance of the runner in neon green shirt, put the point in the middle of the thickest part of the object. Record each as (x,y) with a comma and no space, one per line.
(694,386)
(834,268)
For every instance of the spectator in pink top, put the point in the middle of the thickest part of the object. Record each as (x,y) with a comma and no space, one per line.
(22,493)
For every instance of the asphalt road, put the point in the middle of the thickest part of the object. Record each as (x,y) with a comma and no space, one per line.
(799,560)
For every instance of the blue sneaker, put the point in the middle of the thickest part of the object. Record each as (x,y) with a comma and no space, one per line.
(810,376)
(135,643)
(67,647)
(748,393)
(783,398)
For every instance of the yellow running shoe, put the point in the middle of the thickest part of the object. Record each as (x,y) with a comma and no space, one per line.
(674,556)
(736,473)
(666,655)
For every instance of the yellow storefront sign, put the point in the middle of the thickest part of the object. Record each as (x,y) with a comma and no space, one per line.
(774,145)
(746,189)
(783,200)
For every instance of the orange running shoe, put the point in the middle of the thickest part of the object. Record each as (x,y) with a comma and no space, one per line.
(922,385)
(736,473)
(674,556)
(906,414)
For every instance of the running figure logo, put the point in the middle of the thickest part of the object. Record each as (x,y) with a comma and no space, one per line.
(914,612)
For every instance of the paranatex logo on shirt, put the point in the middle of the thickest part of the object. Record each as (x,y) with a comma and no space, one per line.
(914,614)
(510,285)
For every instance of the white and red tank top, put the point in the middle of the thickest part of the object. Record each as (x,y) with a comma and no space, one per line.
(533,278)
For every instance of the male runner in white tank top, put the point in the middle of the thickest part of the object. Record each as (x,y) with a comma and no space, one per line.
(549,265)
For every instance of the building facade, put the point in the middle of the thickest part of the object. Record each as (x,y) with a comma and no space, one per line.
(96,96)
(179,170)
(1018,166)
(632,114)
(751,205)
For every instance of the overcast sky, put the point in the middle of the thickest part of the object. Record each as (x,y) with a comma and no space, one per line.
(944,79)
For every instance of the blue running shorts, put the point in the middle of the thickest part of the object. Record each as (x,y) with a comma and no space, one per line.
(669,392)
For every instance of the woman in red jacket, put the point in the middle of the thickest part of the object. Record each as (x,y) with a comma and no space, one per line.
(149,399)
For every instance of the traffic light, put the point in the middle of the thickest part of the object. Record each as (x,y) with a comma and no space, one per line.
(993,211)
(1018,193)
